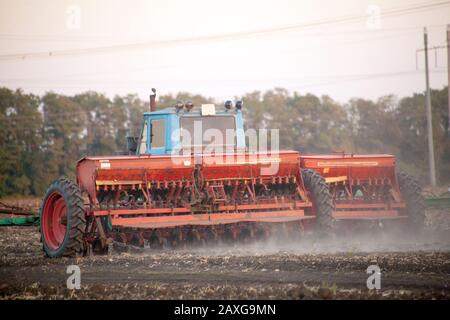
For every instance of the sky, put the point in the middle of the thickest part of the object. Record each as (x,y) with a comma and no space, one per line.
(222,49)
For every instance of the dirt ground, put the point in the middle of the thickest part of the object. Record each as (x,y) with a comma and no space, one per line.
(417,268)
(410,268)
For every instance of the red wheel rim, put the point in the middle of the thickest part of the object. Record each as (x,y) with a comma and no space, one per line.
(54,220)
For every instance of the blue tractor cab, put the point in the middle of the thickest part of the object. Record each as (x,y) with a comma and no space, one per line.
(164,131)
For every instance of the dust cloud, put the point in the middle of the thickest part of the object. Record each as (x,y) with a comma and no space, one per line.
(360,237)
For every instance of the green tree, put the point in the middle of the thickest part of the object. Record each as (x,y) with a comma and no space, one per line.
(128,111)
(373,125)
(412,123)
(20,141)
(64,134)
(100,132)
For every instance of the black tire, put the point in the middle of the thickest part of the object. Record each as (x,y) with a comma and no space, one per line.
(73,244)
(323,201)
(415,202)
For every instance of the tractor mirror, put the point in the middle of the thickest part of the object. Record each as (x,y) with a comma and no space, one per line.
(132,144)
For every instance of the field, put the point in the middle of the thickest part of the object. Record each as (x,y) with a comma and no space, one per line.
(410,268)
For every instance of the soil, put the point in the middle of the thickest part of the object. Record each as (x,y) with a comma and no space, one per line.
(411,268)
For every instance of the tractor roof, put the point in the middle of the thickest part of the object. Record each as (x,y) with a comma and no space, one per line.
(194,111)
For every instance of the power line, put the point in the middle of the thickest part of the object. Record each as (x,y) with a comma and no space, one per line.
(146,68)
(70,76)
(232,36)
(369,77)
(336,78)
(349,78)
(89,37)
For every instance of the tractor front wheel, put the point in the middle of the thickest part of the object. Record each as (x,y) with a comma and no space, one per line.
(62,219)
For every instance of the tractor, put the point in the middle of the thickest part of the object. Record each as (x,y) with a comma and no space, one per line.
(170,190)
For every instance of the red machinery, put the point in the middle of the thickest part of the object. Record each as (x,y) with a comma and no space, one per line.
(157,197)
(367,187)
(159,200)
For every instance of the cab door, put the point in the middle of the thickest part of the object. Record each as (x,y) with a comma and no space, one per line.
(157,134)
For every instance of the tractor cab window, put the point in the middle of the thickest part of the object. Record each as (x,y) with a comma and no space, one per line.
(143,144)
(158,134)
(220,124)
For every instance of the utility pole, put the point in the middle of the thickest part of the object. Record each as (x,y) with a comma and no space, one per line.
(429,114)
(448,72)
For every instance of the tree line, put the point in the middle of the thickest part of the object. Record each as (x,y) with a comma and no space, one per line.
(42,137)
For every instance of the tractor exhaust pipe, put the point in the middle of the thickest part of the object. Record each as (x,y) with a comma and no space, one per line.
(153,100)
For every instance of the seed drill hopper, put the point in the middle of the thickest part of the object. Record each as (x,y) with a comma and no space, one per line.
(367,187)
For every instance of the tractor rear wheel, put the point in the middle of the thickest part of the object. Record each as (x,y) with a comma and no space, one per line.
(415,202)
(322,200)
(62,219)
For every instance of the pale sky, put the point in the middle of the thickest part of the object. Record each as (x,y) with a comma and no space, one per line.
(222,49)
